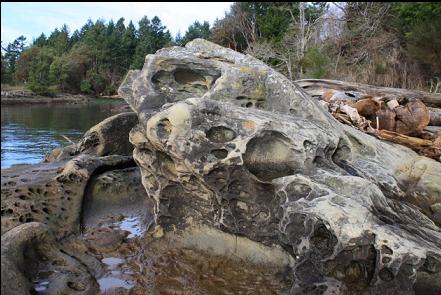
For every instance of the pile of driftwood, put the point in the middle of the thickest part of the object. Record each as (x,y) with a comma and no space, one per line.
(407,117)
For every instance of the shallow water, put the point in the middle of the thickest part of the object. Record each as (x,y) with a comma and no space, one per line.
(132,225)
(108,283)
(29,132)
(115,278)
(40,286)
(112,262)
(42,282)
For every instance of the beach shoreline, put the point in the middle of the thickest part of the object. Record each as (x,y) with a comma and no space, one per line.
(28,97)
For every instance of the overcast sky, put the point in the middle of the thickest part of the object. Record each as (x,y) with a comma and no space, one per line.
(32,19)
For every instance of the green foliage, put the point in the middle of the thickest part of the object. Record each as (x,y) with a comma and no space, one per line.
(411,14)
(39,76)
(3,73)
(98,82)
(42,89)
(272,18)
(380,68)
(40,41)
(58,71)
(195,30)
(34,67)
(86,87)
(95,58)
(420,26)
(152,36)
(59,40)
(12,53)
(25,63)
(316,63)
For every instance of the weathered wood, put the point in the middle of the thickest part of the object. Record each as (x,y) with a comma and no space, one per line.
(428,148)
(316,87)
(435,117)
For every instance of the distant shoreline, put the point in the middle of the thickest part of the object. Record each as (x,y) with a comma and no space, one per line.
(27,97)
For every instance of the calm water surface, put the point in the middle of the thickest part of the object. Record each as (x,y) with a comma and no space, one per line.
(29,132)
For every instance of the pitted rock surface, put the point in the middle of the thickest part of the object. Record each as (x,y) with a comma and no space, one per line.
(238,147)
(43,204)
(29,250)
(51,193)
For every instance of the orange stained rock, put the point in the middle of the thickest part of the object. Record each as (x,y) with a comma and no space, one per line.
(328,94)
(249,125)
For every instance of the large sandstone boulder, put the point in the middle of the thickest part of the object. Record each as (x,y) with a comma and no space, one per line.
(240,148)
(255,188)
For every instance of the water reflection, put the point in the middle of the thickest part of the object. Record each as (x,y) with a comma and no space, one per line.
(29,132)
(108,283)
(133,225)
(116,278)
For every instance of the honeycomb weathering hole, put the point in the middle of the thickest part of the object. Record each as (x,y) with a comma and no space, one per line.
(220,134)
(163,128)
(184,76)
(269,156)
(220,153)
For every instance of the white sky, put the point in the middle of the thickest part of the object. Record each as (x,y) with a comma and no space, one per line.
(32,19)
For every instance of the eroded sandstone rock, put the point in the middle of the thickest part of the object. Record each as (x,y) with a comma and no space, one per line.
(51,193)
(256,189)
(109,137)
(244,150)
(29,251)
(42,210)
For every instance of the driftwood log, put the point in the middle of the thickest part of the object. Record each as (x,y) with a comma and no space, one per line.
(435,117)
(409,116)
(316,87)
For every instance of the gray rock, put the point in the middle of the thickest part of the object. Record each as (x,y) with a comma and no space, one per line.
(51,193)
(238,147)
(26,249)
(42,206)
(109,137)
(115,192)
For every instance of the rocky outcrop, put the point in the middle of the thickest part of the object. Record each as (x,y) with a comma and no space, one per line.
(26,248)
(238,147)
(109,137)
(51,194)
(255,188)
(45,205)
(115,192)
(17,93)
